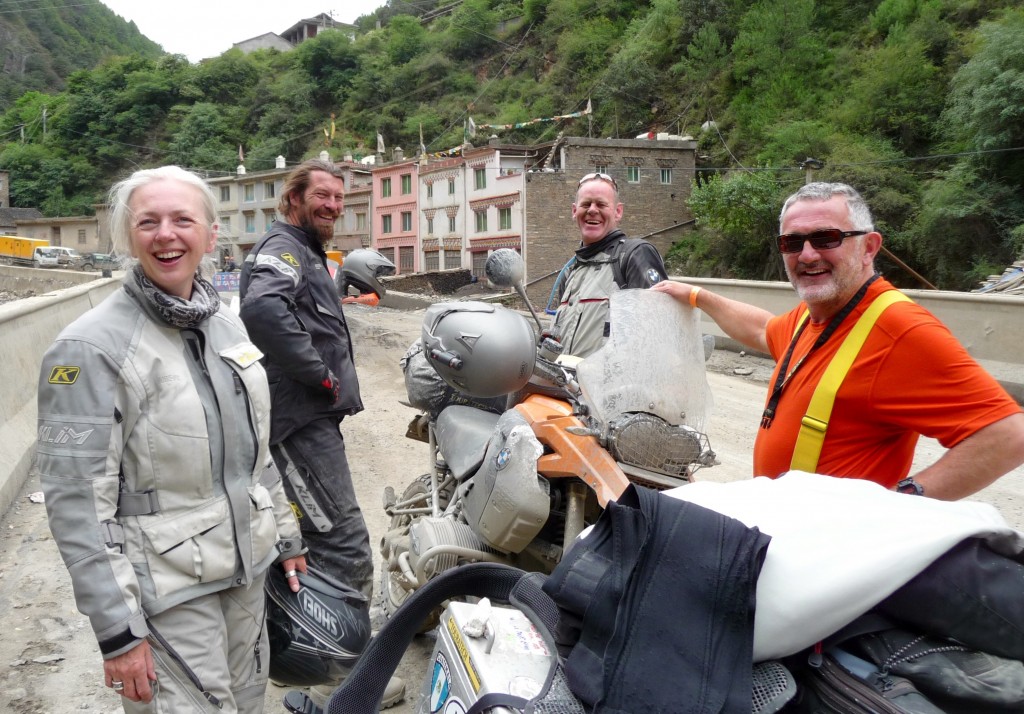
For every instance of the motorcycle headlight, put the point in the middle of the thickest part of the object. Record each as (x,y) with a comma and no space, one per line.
(650,442)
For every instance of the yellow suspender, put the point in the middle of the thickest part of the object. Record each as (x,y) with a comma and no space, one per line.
(815,423)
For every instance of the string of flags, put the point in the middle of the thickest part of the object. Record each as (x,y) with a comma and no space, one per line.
(472,127)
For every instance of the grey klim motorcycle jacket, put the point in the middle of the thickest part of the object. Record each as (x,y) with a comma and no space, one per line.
(153,456)
(596,272)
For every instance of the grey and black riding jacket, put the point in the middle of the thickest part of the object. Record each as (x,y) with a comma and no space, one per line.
(153,456)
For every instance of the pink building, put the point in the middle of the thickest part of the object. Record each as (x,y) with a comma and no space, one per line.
(395,229)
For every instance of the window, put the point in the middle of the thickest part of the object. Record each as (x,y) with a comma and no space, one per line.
(633,174)
(54,235)
(451,187)
(479,261)
(385,224)
(360,221)
(406,184)
(481,221)
(269,190)
(385,188)
(250,192)
(505,219)
(600,169)
(268,220)
(250,222)
(225,225)
(666,175)
(430,190)
(406,259)
(480,178)
(431,261)
(388,253)
(81,236)
(406,220)
(225,194)
(430,226)
(451,224)
(452,259)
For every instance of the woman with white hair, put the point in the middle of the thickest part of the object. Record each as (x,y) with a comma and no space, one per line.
(153,455)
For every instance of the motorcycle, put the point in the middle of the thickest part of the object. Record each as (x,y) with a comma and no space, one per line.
(526,445)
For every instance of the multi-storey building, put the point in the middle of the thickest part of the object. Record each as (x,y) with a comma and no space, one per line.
(472,205)
(247,205)
(395,230)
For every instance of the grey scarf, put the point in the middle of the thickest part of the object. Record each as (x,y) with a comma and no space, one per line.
(177,311)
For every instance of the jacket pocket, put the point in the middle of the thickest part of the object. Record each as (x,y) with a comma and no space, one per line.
(263,526)
(194,547)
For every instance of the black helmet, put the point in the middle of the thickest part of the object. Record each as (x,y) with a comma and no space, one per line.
(360,269)
(316,634)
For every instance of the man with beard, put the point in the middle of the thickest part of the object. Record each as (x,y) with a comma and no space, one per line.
(605,262)
(291,308)
(861,370)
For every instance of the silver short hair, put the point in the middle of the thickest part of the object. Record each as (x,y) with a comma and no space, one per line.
(860,214)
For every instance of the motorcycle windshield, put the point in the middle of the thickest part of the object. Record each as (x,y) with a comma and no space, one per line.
(653,361)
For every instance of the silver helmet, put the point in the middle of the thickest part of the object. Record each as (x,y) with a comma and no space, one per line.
(480,349)
(361,270)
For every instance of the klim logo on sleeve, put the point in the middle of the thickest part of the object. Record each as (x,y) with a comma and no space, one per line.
(63,375)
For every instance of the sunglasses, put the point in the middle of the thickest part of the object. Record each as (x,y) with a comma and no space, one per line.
(599,176)
(825,239)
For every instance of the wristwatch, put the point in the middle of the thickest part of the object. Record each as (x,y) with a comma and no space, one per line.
(910,486)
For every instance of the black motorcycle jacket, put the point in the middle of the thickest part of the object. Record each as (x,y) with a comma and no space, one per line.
(291,309)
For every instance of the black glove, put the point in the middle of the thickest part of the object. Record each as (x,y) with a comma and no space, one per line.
(331,384)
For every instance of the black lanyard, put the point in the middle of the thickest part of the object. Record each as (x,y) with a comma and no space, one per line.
(782,379)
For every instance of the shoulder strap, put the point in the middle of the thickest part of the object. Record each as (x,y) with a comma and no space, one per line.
(626,247)
(815,422)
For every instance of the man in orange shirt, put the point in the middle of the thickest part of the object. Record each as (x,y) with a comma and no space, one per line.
(909,377)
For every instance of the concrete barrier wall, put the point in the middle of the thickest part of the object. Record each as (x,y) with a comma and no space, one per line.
(27,328)
(989,325)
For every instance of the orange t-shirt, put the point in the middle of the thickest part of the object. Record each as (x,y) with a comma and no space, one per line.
(911,377)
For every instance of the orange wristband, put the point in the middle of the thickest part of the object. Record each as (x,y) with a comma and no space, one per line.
(693,296)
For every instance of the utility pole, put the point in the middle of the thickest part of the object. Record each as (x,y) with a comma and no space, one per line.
(44,121)
(809,166)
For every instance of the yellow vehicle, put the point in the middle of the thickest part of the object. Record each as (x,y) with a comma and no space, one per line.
(15,250)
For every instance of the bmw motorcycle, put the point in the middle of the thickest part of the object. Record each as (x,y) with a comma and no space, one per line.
(526,445)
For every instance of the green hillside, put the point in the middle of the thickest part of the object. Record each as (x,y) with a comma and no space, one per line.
(918,103)
(42,43)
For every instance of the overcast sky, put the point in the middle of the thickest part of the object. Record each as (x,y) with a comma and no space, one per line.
(206,28)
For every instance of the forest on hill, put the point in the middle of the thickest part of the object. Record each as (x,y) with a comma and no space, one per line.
(917,103)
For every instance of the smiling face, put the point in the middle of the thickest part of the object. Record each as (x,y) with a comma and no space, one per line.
(319,206)
(596,211)
(169,234)
(826,279)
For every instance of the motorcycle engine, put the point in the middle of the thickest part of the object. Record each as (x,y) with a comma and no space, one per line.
(438,544)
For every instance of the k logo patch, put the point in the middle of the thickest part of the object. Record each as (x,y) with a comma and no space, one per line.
(64,375)
(290,259)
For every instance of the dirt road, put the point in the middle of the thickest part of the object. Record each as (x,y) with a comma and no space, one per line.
(48,658)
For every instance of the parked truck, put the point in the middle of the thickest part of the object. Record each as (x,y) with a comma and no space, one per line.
(15,250)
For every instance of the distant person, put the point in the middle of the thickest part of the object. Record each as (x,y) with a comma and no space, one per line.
(909,377)
(605,262)
(290,304)
(153,455)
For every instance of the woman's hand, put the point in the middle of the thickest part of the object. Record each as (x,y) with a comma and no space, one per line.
(132,674)
(292,567)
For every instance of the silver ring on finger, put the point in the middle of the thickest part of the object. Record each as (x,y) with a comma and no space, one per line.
(117,686)
(291,573)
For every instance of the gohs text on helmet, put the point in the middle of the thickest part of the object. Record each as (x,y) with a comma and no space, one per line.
(480,349)
(361,269)
(317,634)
